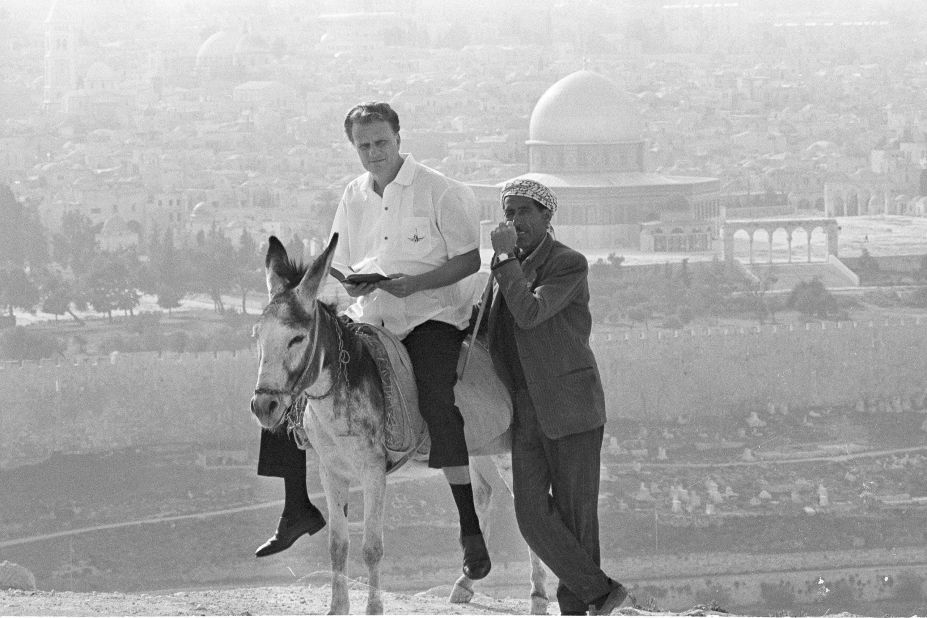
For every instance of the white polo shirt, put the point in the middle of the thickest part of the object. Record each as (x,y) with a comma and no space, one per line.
(423,219)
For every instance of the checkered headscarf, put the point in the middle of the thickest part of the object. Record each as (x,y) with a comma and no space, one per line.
(530,188)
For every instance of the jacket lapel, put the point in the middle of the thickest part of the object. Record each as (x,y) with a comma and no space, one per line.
(531,264)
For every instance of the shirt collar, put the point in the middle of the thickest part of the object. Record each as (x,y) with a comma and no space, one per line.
(407,171)
(404,176)
(537,250)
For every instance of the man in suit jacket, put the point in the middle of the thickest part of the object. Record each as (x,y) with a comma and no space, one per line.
(539,327)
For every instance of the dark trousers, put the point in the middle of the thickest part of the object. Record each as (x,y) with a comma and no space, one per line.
(556,487)
(279,455)
(434,349)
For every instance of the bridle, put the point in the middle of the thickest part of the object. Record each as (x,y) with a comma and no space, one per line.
(293,413)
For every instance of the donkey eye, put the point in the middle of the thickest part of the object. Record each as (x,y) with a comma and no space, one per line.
(296,340)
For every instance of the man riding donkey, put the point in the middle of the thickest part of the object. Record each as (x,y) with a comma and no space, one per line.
(421,228)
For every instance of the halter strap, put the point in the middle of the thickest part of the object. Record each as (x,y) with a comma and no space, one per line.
(293,415)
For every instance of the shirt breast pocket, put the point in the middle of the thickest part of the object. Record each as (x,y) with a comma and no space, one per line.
(416,238)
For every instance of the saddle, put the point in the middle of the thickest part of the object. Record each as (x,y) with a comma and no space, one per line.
(483,400)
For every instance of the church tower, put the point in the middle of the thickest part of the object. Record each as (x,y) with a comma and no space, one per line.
(60,53)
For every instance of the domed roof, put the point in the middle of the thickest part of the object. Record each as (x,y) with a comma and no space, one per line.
(201,211)
(221,44)
(251,43)
(584,107)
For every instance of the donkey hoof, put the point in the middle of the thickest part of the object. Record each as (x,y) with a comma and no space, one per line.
(539,605)
(461,592)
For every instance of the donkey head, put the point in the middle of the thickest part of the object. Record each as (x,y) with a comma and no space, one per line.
(287,333)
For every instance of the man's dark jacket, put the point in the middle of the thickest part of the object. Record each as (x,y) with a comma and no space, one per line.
(548,296)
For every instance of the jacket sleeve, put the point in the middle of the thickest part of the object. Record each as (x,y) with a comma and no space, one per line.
(563,276)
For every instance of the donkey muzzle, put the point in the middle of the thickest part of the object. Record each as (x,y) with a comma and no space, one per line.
(268,408)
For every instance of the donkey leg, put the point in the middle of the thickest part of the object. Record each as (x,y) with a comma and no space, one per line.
(539,600)
(336,494)
(462,592)
(374,484)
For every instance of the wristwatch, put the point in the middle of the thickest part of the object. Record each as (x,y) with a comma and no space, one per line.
(504,256)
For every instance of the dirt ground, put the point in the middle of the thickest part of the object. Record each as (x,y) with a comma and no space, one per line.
(297,599)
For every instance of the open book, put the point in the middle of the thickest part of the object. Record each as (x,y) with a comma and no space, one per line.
(365,271)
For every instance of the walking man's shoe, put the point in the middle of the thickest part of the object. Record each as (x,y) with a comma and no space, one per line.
(289,529)
(607,603)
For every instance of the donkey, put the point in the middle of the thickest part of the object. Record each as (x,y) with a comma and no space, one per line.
(307,353)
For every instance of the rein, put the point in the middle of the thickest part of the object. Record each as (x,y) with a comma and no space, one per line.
(344,357)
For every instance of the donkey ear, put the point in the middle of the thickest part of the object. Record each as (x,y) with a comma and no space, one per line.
(273,265)
(308,288)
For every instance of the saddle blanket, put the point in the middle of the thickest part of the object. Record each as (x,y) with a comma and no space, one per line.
(483,400)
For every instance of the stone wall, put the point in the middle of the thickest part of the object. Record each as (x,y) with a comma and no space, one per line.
(711,372)
(124,400)
(146,399)
(907,264)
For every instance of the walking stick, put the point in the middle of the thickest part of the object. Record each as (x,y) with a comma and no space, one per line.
(476,328)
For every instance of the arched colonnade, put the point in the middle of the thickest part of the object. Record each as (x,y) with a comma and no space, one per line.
(751,226)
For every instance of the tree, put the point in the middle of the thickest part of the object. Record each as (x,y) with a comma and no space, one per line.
(112,283)
(608,269)
(168,277)
(76,244)
(22,236)
(295,248)
(248,270)
(168,298)
(57,294)
(17,290)
(759,299)
(212,264)
(811,298)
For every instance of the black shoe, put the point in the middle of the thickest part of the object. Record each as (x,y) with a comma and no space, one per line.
(289,529)
(607,603)
(476,563)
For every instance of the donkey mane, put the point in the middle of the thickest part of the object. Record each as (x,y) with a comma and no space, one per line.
(292,272)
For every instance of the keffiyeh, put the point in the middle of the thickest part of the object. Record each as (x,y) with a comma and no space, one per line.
(530,188)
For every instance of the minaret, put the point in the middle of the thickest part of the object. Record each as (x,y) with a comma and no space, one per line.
(60,53)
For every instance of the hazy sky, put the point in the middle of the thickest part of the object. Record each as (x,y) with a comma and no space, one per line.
(38,9)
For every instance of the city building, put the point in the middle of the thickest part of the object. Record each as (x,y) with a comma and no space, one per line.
(584,142)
